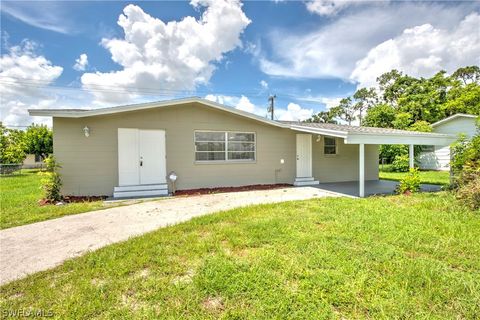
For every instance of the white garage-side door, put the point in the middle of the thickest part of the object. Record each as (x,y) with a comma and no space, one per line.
(304,155)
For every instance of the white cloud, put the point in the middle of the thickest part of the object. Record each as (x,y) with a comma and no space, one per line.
(294,112)
(44,15)
(23,77)
(326,7)
(177,55)
(422,51)
(332,7)
(81,63)
(240,103)
(329,102)
(264,84)
(332,49)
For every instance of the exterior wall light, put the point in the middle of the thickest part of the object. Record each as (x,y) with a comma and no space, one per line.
(86,131)
(172,176)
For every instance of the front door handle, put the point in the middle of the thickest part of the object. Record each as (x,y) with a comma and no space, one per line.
(141,161)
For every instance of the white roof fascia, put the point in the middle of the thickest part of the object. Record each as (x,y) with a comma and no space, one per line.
(420,139)
(458,115)
(327,132)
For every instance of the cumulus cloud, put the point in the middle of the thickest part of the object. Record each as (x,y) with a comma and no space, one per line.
(332,49)
(23,76)
(240,103)
(423,51)
(177,55)
(294,112)
(81,63)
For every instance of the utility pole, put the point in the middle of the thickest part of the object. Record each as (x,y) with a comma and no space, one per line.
(272,105)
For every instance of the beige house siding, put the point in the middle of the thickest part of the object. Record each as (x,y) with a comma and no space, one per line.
(90,165)
(344,166)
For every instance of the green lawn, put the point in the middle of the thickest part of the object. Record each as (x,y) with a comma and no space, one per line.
(403,257)
(19,195)
(432,177)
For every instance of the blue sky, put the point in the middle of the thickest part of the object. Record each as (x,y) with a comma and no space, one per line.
(90,54)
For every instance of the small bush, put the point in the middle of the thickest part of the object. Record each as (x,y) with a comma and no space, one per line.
(468,185)
(51,181)
(401,163)
(409,184)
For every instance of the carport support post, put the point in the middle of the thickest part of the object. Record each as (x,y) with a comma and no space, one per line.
(361,176)
(411,156)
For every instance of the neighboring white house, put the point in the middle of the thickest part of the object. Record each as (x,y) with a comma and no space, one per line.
(438,157)
(32,161)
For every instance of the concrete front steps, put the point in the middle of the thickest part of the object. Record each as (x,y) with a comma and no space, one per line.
(309,181)
(146,190)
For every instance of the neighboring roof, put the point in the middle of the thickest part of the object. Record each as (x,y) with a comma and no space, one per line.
(455,116)
(351,134)
(81,113)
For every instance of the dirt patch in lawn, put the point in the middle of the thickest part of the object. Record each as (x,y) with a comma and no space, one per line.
(190,192)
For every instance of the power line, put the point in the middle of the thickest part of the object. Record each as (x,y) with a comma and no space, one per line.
(34,83)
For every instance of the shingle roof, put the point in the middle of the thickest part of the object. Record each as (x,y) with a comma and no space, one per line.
(353,129)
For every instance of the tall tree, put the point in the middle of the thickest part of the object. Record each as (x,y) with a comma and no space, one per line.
(364,100)
(12,146)
(468,74)
(345,110)
(39,140)
(323,117)
(381,115)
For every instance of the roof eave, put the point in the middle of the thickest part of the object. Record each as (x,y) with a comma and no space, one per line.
(327,132)
(453,117)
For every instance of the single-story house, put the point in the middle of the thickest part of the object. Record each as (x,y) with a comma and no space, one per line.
(438,157)
(131,150)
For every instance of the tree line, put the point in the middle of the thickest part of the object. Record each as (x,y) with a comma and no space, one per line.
(404,102)
(16,144)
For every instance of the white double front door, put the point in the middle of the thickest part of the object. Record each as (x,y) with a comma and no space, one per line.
(304,155)
(141,157)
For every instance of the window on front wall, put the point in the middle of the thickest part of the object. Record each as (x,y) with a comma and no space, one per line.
(224,146)
(330,145)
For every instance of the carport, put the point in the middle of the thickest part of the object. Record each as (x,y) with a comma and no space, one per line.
(364,136)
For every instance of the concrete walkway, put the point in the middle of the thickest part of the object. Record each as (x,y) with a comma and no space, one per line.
(372,187)
(44,245)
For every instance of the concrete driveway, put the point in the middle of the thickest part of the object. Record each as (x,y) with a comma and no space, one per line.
(40,246)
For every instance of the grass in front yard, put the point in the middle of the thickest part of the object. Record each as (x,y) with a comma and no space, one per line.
(426,176)
(403,257)
(19,201)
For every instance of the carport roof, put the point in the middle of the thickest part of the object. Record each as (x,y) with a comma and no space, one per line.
(371,135)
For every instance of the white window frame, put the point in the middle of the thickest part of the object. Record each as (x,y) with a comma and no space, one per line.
(226,148)
(325,145)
